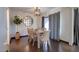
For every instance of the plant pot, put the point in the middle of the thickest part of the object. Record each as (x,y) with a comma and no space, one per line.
(17,37)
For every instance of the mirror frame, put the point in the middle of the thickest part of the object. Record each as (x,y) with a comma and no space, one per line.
(28,18)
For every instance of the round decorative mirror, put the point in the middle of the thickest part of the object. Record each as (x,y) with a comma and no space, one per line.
(28,21)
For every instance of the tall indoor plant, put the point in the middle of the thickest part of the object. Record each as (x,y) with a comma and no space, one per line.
(17,20)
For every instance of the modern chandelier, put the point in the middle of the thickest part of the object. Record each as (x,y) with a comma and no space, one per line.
(37,11)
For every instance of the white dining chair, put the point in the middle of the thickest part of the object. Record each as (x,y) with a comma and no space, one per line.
(30,34)
(45,39)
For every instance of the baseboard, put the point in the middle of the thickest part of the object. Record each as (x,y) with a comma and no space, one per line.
(20,36)
(55,39)
(13,38)
(64,41)
(59,40)
(24,36)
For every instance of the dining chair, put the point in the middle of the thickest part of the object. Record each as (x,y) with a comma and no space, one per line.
(45,39)
(30,34)
(34,37)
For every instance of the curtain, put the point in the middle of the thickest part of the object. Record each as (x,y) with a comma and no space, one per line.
(54,25)
(42,22)
(76,27)
(58,25)
(51,26)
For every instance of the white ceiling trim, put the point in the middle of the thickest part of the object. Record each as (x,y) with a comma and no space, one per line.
(30,10)
(52,11)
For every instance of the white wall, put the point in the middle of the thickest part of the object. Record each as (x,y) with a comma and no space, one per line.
(3,28)
(22,28)
(66,23)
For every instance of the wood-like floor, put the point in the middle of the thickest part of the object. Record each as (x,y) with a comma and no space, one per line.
(22,45)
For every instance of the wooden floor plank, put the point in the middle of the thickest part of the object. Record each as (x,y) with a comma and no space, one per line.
(22,45)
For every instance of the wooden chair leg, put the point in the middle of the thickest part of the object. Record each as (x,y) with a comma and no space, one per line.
(33,42)
(30,40)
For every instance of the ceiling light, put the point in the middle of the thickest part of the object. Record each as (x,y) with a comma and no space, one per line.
(37,11)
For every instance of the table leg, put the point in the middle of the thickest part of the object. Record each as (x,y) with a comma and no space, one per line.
(38,42)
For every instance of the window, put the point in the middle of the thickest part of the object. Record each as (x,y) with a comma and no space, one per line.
(46,23)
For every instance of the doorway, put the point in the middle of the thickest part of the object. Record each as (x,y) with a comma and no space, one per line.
(45,23)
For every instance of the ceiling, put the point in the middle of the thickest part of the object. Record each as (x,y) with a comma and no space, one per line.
(31,9)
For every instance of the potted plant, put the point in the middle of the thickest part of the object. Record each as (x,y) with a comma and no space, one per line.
(17,20)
